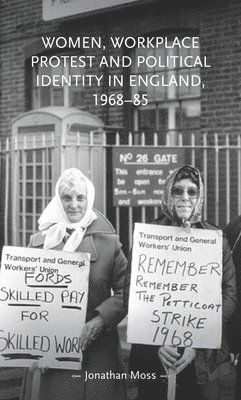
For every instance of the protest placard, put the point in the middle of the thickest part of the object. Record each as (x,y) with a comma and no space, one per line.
(43,300)
(175,292)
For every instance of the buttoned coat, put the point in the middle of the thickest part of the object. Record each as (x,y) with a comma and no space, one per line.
(105,296)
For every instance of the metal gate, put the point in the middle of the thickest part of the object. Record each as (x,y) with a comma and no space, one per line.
(28,178)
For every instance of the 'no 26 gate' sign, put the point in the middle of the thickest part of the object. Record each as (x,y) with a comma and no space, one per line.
(139,174)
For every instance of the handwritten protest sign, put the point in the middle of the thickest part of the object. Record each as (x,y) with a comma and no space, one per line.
(175,293)
(43,299)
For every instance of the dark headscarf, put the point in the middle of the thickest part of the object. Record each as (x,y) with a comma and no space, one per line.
(185,172)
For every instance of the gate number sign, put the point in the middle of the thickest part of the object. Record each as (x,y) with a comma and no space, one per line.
(139,174)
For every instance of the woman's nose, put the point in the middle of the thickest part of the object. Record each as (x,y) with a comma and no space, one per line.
(74,203)
(185,195)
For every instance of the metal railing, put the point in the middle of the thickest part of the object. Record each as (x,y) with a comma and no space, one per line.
(29,166)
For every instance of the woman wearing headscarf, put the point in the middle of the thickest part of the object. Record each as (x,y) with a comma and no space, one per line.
(69,223)
(202,374)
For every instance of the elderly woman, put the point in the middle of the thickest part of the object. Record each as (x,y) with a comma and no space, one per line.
(202,373)
(69,223)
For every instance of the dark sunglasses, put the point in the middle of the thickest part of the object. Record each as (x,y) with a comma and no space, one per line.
(178,191)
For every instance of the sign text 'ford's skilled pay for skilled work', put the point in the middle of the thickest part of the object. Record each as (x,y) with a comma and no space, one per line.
(43,300)
(175,293)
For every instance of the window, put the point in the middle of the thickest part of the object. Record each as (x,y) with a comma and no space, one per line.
(68,95)
(171,107)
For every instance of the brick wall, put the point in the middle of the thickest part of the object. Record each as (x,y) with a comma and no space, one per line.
(220,37)
(21,25)
(217,24)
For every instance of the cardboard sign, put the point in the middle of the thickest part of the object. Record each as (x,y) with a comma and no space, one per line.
(43,300)
(175,293)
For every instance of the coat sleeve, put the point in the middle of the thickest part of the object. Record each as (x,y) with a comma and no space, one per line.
(112,309)
(229,293)
(232,231)
(127,282)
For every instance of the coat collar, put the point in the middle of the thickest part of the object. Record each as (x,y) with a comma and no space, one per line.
(203,224)
(100,225)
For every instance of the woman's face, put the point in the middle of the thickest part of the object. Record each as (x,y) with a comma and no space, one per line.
(185,195)
(74,202)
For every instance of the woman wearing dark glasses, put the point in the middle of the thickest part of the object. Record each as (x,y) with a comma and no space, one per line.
(202,374)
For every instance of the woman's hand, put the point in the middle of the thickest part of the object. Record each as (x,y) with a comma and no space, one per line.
(168,356)
(187,357)
(91,331)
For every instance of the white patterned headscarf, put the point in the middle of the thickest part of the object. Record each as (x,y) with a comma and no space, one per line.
(54,222)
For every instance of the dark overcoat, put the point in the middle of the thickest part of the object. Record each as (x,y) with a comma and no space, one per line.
(233,232)
(107,271)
